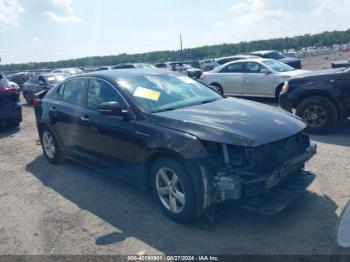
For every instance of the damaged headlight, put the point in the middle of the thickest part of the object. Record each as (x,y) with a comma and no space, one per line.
(228,154)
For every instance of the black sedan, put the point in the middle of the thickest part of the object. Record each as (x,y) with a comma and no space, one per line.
(166,131)
(10,108)
(40,82)
(273,54)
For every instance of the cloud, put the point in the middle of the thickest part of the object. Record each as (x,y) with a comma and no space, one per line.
(64,12)
(63,19)
(10,12)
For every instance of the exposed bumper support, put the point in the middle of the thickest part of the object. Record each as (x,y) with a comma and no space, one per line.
(281,196)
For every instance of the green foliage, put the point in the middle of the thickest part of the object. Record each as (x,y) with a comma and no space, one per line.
(297,42)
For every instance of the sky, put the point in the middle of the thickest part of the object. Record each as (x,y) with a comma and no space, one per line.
(51,30)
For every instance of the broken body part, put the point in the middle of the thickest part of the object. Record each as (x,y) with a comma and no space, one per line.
(266,188)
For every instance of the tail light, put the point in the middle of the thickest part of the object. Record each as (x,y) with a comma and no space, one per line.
(201,77)
(8,90)
(36,102)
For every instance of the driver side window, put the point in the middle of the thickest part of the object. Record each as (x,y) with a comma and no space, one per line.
(100,92)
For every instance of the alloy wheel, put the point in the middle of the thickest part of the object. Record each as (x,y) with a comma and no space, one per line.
(170,190)
(315,116)
(49,145)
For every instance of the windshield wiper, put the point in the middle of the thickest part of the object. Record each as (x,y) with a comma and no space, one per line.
(164,110)
(208,101)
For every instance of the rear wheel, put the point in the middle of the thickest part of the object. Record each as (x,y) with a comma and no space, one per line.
(319,113)
(50,146)
(173,190)
(218,88)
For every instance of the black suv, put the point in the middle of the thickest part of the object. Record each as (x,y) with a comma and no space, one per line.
(166,131)
(321,98)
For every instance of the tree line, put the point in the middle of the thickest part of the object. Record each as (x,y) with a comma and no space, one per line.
(198,53)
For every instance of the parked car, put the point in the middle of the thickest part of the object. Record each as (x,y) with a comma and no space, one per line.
(340,64)
(273,54)
(39,83)
(181,68)
(256,77)
(321,98)
(207,65)
(20,78)
(103,68)
(135,65)
(10,108)
(166,131)
(341,247)
(223,60)
(68,72)
(194,64)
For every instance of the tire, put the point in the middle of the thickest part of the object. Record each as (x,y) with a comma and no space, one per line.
(218,88)
(55,157)
(319,113)
(27,98)
(186,208)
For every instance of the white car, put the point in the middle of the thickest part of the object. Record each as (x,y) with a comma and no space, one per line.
(256,77)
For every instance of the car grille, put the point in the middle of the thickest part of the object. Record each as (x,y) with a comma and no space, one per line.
(269,157)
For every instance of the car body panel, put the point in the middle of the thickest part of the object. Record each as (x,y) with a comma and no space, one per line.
(232,121)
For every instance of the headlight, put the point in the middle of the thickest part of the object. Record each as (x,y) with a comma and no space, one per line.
(285,87)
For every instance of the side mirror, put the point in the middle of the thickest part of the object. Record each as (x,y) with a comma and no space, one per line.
(110,108)
(265,71)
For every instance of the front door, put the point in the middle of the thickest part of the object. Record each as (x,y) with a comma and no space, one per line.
(255,82)
(110,141)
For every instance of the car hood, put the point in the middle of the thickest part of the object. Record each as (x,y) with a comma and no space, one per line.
(289,60)
(294,73)
(321,73)
(232,121)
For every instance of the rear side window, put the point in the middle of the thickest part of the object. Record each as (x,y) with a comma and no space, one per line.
(72,91)
(233,68)
(252,67)
(100,92)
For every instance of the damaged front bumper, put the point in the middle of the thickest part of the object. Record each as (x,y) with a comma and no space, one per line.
(266,193)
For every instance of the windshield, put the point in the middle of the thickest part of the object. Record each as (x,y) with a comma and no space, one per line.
(54,79)
(278,66)
(156,93)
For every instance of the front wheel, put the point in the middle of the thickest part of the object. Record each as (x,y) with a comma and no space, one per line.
(319,113)
(173,190)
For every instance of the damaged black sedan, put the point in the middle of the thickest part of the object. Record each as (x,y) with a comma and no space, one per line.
(167,132)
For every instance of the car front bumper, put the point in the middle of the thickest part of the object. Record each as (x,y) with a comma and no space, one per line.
(267,193)
(284,103)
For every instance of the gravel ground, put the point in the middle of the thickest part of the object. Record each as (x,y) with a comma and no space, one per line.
(69,209)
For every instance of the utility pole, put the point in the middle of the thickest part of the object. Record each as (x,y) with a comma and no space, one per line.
(181,47)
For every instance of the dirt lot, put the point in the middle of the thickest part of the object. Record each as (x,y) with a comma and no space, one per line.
(324,61)
(69,209)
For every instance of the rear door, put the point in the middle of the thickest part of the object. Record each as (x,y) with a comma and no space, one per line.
(255,82)
(232,78)
(65,113)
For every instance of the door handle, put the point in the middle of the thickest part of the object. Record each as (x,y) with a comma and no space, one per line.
(53,109)
(85,119)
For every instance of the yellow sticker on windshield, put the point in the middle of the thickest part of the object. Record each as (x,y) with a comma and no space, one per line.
(147,93)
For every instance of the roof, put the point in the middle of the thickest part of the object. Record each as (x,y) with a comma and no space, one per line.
(120,73)
(263,52)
